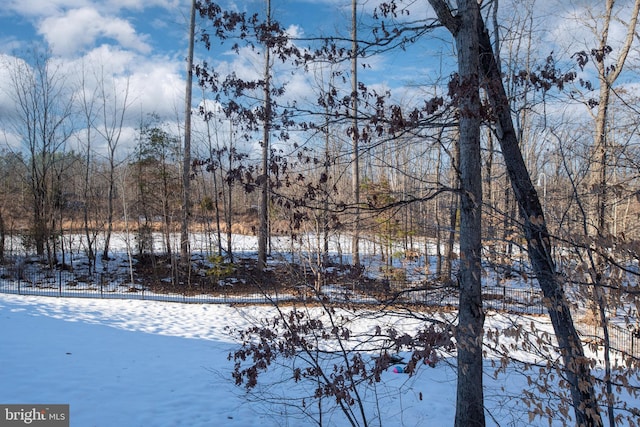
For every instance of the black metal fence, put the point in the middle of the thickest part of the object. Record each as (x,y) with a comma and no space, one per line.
(622,340)
(62,283)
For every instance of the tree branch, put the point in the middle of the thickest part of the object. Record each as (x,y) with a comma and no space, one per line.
(450,21)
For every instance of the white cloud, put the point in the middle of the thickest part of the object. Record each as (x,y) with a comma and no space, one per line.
(295,31)
(10,141)
(150,84)
(78,29)
(158,88)
(118,61)
(8,138)
(576,27)
(8,65)
(140,4)
(39,8)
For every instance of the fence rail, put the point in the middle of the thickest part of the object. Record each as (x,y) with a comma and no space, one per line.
(61,283)
(625,341)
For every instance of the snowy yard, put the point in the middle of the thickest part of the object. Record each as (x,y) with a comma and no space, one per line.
(143,363)
(120,362)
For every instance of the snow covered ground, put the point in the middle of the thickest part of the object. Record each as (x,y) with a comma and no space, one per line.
(150,363)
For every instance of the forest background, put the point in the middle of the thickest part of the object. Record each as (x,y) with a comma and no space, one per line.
(365,126)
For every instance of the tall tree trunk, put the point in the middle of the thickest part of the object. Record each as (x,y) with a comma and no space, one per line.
(600,176)
(112,126)
(166,210)
(263,229)
(89,229)
(436,215)
(110,196)
(229,211)
(447,274)
(217,203)
(186,160)
(534,225)
(469,333)
(507,223)
(326,186)
(355,159)
(218,194)
(607,75)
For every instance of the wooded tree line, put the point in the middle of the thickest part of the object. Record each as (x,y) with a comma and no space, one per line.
(527,159)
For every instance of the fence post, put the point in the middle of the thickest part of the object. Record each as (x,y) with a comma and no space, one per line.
(504,298)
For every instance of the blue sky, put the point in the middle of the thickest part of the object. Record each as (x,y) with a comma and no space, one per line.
(70,27)
(139,44)
(152,29)
(142,44)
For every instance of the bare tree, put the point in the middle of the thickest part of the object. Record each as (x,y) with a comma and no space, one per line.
(355,157)
(263,230)
(534,224)
(114,104)
(88,111)
(186,159)
(13,187)
(454,205)
(158,154)
(43,120)
(596,219)
(607,75)
(576,367)
(464,27)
